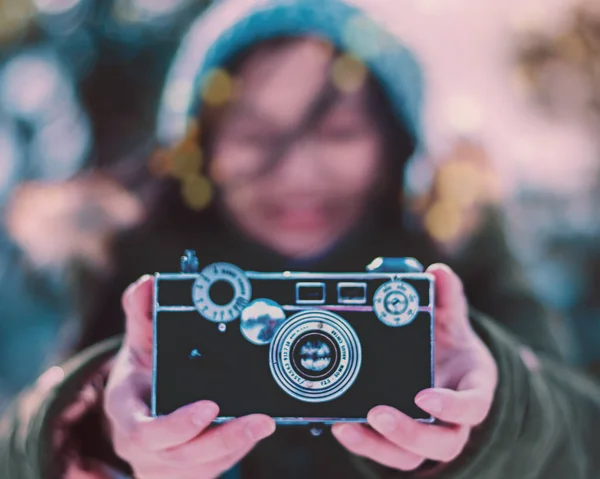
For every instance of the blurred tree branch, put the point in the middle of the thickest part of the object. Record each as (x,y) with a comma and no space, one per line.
(562,71)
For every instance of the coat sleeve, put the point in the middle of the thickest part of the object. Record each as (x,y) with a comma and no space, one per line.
(33,427)
(496,284)
(545,419)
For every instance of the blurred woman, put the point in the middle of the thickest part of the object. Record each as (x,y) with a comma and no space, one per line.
(292,155)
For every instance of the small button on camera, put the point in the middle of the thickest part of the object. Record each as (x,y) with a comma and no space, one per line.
(189,262)
(395,265)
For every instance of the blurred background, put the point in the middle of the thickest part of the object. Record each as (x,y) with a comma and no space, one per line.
(513,103)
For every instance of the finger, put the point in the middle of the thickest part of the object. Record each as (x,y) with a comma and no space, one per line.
(426,440)
(449,292)
(132,421)
(225,440)
(467,408)
(366,443)
(225,463)
(137,304)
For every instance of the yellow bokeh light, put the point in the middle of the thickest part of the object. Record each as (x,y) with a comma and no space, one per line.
(187,162)
(218,88)
(160,163)
(196,191)
(573,48)
(15,15)
(461,183)
(443,221)
(348,73)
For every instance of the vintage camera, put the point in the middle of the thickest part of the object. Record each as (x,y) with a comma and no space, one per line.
(300,347)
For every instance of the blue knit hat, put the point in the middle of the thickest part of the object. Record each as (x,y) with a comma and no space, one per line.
(231,26)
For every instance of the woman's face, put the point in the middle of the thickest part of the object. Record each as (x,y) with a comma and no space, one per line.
(322,183)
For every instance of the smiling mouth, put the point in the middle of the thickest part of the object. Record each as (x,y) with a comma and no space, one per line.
(297,217)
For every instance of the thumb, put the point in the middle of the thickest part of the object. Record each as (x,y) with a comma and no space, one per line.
(137,304)
(450,300)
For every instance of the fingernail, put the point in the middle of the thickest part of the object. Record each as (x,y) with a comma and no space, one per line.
(385,422)
(205,414)
(430,403)
(143,279)
(260,428)
(348,434)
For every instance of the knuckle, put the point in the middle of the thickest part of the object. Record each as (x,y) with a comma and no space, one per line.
(169,456)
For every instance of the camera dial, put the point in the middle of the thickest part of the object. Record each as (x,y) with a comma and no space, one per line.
(396,303)
(221,292)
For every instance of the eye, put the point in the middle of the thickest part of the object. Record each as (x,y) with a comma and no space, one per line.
(340,130)
(253,137)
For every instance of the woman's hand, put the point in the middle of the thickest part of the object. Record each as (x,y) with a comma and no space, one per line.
(466,378)
(180,445)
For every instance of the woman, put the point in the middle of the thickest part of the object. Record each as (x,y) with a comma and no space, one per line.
(305,150)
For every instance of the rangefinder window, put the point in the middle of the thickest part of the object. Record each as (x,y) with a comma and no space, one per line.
(310,293)
(352,293)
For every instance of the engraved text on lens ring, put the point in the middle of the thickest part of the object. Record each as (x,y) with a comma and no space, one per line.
(242,292)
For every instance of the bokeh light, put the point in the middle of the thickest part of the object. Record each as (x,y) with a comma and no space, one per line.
(443,221)
(31,85)
(79,216)
(10,158)
(348,73)
(15,16)
(55,7)
(60,147)
(464,114)
(197,191)
(217,88)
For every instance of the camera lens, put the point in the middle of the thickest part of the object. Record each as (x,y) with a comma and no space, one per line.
(315,356)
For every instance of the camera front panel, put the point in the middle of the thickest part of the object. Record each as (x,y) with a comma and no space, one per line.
(325,351)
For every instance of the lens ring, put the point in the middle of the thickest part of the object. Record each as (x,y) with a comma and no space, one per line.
(301,329)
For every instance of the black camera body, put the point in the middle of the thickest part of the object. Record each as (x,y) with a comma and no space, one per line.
(300,347)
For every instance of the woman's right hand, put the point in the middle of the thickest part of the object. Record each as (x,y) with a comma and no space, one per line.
(180,445)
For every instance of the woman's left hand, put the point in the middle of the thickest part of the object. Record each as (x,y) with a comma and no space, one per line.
(466,379)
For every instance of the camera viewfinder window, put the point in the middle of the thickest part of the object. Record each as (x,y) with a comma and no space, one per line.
(352,293)
(310,293)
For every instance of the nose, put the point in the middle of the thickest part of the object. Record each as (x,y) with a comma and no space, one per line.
(299,165)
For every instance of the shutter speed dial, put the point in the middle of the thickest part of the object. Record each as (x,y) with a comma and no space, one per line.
(396,303)
(221,292)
